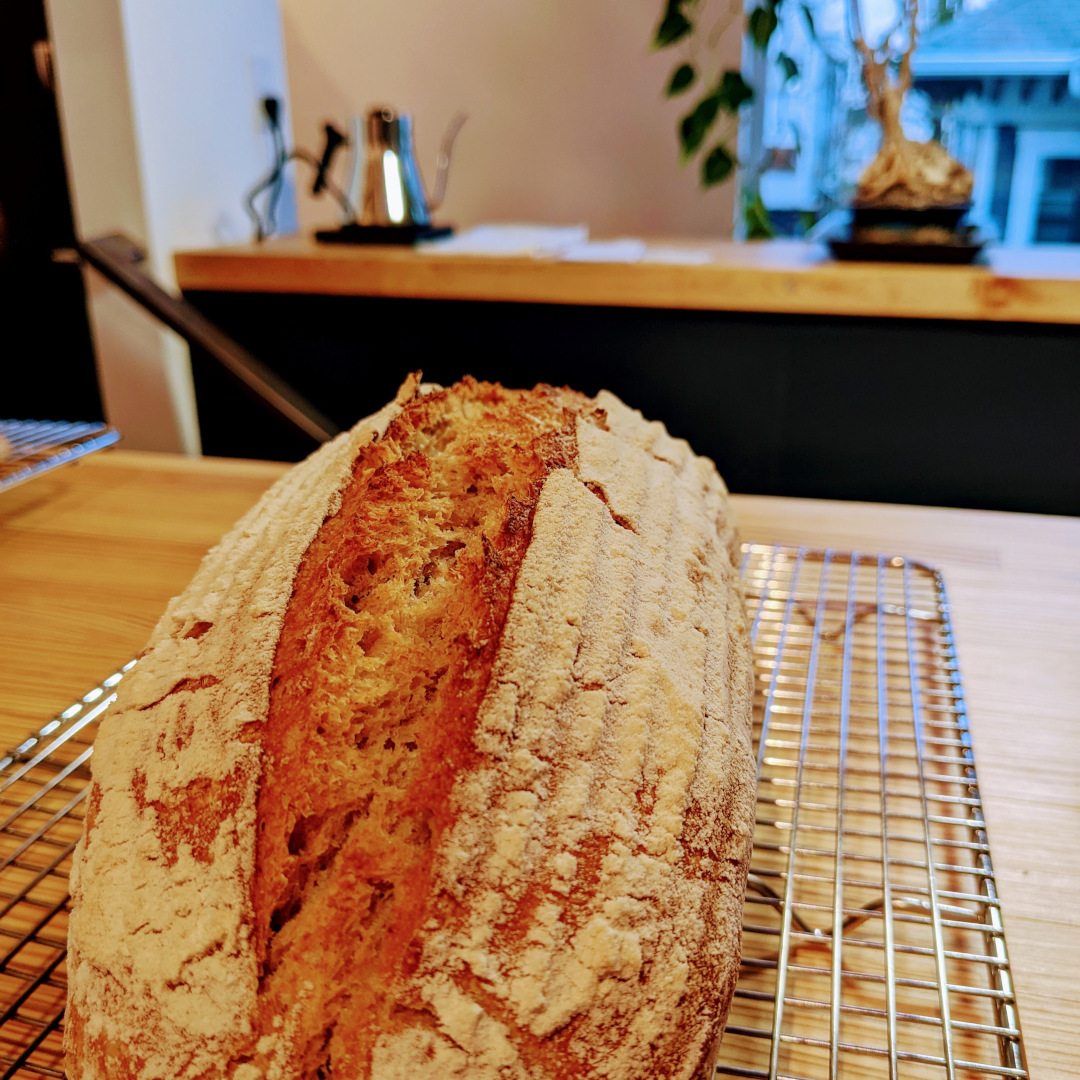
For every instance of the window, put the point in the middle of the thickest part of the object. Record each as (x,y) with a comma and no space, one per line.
(997,81)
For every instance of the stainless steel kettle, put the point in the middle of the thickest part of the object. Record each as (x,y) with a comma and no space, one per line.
(393,189)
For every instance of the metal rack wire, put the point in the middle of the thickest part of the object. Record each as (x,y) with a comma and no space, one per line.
(873,942)
(43,785)
(40,445)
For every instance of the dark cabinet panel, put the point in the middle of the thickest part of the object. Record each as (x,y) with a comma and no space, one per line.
(47,362)
(940,413)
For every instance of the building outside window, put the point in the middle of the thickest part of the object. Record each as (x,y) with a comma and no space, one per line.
(998,81)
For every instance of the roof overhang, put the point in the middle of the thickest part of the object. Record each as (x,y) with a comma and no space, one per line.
(965,64)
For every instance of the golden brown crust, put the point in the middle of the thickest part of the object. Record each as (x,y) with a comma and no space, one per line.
(393,625)
(496,795)
(162,980)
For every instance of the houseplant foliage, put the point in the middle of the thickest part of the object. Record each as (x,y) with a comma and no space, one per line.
(709,127)
(904,173)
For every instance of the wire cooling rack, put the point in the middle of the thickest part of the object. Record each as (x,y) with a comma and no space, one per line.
(39,445)
(43,786)
(873,943)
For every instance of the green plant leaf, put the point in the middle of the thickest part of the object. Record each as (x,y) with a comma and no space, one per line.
(695,125)
(761,25)
(759,225)
(681,79)
(717,166)
(733,91)
(788,66)
(673,27)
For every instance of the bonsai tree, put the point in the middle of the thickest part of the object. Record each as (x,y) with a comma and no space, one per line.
(904,173)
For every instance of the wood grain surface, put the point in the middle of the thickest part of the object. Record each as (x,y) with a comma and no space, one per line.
(780,276)
(90,554)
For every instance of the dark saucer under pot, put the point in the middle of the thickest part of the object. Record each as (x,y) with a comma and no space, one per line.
(878,217)
(896,234)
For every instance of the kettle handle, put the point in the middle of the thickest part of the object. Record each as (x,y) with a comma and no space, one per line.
(355,186)
(442,162)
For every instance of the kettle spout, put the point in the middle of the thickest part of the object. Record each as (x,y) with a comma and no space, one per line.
(442,162)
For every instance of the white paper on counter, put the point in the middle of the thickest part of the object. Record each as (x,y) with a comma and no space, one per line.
(627,249)
(676,256)
(539,241)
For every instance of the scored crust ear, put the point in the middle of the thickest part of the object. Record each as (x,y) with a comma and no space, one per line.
(410,389)
(414,388)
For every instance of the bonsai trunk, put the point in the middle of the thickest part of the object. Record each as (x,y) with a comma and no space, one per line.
(905,174)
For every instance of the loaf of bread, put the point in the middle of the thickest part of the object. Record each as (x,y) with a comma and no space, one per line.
(439,768)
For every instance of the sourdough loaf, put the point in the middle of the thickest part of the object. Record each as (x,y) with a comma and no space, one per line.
(440,767)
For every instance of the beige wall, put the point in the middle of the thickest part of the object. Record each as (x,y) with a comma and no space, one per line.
(567,120)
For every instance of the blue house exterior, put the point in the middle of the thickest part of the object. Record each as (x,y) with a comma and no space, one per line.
(1005,86)
(998,82)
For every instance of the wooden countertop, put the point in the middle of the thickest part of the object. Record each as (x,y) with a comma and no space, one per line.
(1040,285)
(90,554)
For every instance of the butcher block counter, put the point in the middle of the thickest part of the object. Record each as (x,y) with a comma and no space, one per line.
(1040,285)
(90,554)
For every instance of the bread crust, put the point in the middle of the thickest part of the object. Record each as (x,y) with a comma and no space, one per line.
(548,884)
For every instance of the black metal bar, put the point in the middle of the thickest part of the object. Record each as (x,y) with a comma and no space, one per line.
(121,260)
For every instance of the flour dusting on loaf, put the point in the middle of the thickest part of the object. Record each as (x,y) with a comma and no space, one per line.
(439,768)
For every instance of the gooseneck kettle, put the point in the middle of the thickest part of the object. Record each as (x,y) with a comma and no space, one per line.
(393,188)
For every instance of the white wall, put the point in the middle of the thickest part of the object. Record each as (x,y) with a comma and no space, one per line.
(567,120)
(198,70)
(159,106)
(102,156)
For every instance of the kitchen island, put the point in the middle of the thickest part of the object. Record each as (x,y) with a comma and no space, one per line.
(90,554)
(949,385)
